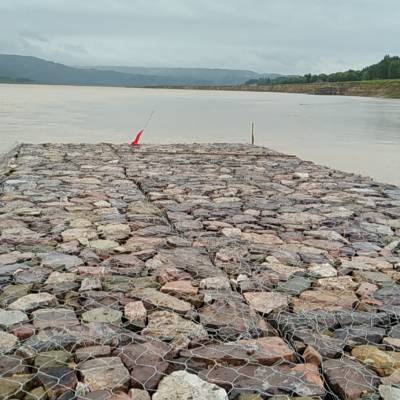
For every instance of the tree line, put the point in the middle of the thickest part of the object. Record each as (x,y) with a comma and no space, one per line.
(388,68)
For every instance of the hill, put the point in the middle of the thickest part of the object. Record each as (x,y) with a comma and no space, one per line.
(24,69)
(387,68)
(194,76)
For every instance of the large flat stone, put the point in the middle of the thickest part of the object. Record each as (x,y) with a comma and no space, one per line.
(104,373)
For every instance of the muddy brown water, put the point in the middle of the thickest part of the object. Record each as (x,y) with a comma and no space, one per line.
(354,134)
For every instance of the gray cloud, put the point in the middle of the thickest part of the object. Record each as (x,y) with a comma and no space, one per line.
(287,36)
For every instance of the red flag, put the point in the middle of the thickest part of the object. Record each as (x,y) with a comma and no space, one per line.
(135,142)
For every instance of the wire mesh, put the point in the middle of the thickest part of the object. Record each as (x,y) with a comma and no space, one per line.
(195,272)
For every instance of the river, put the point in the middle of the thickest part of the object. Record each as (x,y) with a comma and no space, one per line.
(355,134)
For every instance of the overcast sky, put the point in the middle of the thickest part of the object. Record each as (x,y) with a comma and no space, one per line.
(284,36)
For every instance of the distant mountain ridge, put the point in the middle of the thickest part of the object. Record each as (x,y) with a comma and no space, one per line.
(194,76)
(26,69)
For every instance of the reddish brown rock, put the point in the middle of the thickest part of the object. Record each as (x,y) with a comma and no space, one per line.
(146,362)
(328,300)
(265,351)
(266,302)
(301,379)
(179,288)
(349,379)
(311,356)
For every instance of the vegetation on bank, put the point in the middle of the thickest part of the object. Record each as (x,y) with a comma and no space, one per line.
(388,68)
(389,88)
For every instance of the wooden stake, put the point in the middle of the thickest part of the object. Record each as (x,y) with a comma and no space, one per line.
(252,133)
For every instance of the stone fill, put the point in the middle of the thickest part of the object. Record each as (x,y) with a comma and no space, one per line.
(195,272)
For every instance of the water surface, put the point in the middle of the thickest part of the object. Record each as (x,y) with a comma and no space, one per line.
(355,134)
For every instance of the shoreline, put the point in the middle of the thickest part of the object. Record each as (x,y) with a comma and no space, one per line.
(383,89)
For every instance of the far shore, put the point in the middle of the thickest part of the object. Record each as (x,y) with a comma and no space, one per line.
(389,89)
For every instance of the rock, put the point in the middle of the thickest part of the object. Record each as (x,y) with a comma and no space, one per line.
(311,356)
(60,381)
(393,379)
(11,365)
(114,231)
(294,286)
(231,232)
(217,283)
(194,261)
(366,289)
(80,234)
(101,314)
(161,300)
(394,331)
(23,332)
(31,302)
(326,235)
(321,271)
(300,379)
(168,326)
(327,346)
(59,261)
(136,313)
(19,236)
(103,245)
(265,238)
(389,392)
(184,288)
(60,277)
(139,394)
(31,276)
(266,302)
(383,362)
(147,363)
(10,318)
(104,373)
(264,351)
(80,223)
(13,292)
(143,207)
(185,386)
(54,318)
(345,283)
(7,342)
(350,379)
(52,359)
(283,272)
(86,353)
(14,386)
(362,334)
(324,300)
(229,320)
(90,284)
(38,393)
(392,343)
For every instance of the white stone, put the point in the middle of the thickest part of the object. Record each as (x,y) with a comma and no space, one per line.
(181,385)
(32,301)
(216,283)
(322,270)
(7,342)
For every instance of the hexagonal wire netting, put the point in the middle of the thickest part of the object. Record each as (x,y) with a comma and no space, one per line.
(195,272)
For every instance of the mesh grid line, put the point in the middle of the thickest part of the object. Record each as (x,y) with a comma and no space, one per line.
(195,272)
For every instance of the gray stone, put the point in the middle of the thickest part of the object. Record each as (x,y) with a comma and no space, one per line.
(10,318)
(101,314)
(33,301)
